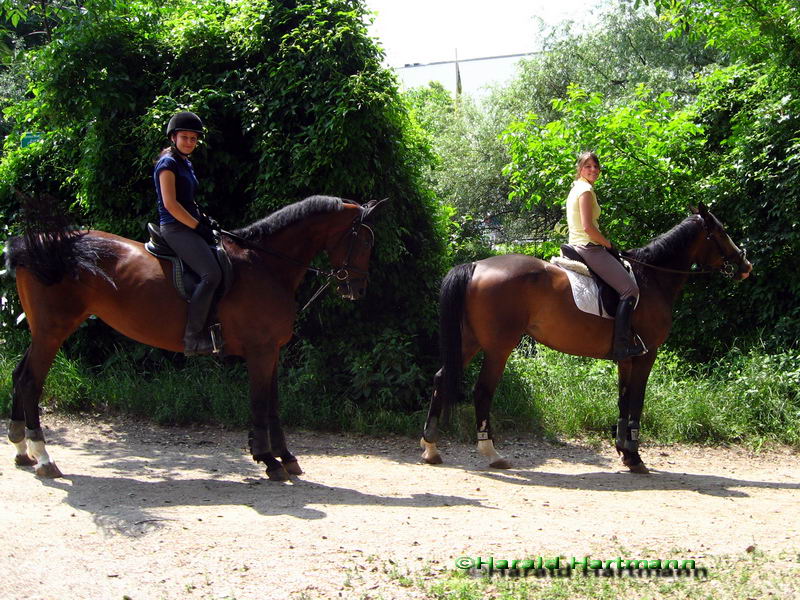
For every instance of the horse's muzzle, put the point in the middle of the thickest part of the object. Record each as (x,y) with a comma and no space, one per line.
(745,268)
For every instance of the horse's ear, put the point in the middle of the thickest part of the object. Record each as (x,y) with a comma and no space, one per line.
(370,206)
(708,219)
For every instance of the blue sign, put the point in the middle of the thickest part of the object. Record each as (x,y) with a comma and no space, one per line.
(30,138)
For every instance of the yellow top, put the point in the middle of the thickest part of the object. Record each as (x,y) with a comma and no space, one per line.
(577,235)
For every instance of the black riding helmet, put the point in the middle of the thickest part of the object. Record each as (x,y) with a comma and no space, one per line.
(185,121)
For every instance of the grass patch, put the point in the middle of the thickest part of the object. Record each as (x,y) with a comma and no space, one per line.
(750,397)
(753,575)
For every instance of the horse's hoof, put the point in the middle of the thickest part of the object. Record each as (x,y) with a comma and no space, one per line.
(436,459)
(639,468)
(293,468)
(23,460)
(278,474)
(48,471)
(431,455)
(501,463)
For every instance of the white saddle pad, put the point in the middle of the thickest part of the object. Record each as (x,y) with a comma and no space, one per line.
(584,289)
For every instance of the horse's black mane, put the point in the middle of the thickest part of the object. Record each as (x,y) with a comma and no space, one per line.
(665,248)
(289,215)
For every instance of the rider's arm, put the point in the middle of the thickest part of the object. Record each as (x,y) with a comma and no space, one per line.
(166,179)
(586,204)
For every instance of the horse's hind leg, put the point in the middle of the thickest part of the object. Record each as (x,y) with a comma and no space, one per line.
(430,434)
(494,363)
(25,430)
(16,427)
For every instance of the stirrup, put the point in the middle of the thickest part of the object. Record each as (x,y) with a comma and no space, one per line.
(635,347)
(216,338)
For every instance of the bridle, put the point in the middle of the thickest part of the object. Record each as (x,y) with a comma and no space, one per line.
(732,262)
(342,273)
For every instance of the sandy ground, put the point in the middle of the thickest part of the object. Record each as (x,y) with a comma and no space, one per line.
(148,512)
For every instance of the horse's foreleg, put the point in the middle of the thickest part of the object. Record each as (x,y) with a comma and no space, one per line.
(276,436)
(262,372)
(493,365)
(633,375)
(430,435)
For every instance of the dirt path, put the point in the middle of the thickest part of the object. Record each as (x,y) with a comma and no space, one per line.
(149,512)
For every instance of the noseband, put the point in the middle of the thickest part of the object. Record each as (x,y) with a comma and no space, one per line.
(732,262)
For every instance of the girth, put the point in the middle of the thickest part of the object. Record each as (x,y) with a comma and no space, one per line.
(183,278)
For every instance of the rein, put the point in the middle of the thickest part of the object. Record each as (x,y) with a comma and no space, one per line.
(731,262)
(668,270)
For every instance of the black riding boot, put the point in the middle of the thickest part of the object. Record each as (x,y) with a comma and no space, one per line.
(626,343)
(197,338)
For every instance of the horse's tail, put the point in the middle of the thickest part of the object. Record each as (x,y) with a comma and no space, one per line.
(451,313)
(52,249)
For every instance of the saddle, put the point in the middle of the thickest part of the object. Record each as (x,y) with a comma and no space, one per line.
(183,278)
(605,297)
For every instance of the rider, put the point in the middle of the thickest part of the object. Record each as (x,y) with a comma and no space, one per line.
(187,230)
(583,212)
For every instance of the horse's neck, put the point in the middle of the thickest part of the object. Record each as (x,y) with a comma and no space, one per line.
(670,285)
(294,247)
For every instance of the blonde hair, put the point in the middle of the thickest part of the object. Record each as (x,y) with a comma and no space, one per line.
(582,160)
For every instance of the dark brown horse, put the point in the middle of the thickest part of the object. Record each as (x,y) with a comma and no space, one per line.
(63,278)
(490,304)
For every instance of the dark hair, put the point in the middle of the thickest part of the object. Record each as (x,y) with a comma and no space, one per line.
(169,150)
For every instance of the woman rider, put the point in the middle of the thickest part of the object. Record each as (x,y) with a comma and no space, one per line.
(186,229)
(583,212)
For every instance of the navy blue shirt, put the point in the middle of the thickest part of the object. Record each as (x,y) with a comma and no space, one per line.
(185,187)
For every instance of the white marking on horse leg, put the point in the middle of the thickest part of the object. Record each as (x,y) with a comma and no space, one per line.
(486,448)
(430,452)
(22,448)
(36,451)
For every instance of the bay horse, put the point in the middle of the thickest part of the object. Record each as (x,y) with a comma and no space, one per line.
(64,277)
(490,304)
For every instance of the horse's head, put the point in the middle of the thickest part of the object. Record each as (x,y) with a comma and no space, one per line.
(350,253)
(718,251)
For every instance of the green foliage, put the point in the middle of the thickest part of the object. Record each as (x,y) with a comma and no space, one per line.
(747,397)
(647,150)
(626,49)
(755,30)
